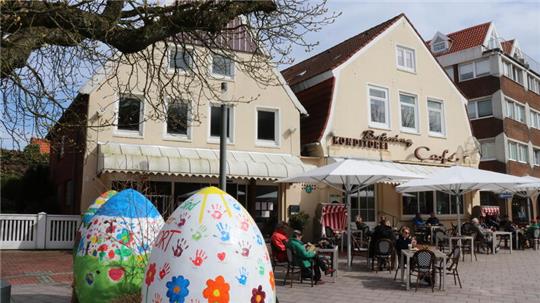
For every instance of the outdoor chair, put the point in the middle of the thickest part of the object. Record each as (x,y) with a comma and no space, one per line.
(331,236)
(421,234)
(384,255)
(293,269)
(357,249)
(441,239)
(275,262)
(423,265)
(536,239)
(451,266)
(467,229)
(483,242)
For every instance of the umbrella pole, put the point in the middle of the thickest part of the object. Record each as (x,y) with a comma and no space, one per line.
(529,201)
(458,216)
(349,232)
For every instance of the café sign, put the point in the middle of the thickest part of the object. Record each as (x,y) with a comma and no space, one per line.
(421,153)
(370,140)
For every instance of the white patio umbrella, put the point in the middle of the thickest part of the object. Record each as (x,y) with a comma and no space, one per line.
(459,180)
(528,190)
(354,175)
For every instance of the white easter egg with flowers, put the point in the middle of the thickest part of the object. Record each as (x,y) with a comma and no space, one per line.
(209,250)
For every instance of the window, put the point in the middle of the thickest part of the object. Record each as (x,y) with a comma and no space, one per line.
(534,84)
(536,157)
(439,46)
(406,59)
(363,204)
(513,72)
(215,121)
(535,119)
(181,59)
(436,117)
(474,69)
(177,118)
(487,150)
(479,109)
(267,125)
(518,152)
(420,202)
(378,107)
(129,113)
(222,66)
(515,111)
(450,72)
(408,112)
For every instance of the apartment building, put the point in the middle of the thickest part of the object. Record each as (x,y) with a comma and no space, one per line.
(502,85)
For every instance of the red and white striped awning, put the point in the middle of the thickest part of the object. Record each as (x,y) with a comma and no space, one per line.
(490,210)
(334,216)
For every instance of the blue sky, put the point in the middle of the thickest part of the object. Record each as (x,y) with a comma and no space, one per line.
(512,19)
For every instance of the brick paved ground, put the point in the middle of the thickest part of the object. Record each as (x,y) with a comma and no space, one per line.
(44,276)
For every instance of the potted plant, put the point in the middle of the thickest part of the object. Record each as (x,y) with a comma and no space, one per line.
(298,220)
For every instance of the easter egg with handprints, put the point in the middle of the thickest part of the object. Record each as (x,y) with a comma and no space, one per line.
(209,250)
(93,208)
(113,251)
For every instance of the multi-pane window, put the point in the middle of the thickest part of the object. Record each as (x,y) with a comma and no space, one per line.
(534,84)
(450,72)
(267,125)
(439,46)
(430,201)
(515,111)
(408,112)
(363,204)
(177,118)
(536,157)
(535,119)
(479,109)
(487,149)
(405,58)
(513,72)
(129,113)
(222,66)
(215,121)
(518,152)
(378,107)
(436,117)
(474,69)
(181,59)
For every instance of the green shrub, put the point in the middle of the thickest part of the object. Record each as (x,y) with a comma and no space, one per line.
(298,221)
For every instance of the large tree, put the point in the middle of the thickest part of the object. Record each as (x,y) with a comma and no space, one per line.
(50,48)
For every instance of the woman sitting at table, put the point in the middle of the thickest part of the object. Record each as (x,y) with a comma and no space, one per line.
(361,226)
(404,240)
(381,231)
(304,258)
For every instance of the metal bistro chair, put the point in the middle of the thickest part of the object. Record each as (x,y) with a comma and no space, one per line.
(357,249)
(384,251)
(441,239)
(294,269)
(452,269)
(275,262)
(423,265)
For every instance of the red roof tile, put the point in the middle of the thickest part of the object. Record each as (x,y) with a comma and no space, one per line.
(43,144)
(335,55)
(466,38)
(507,46)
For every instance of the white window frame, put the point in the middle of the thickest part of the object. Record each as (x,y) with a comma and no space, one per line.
(443,118)
(509,70)
(475,102)
(459,71)
(536,161)
(519,154)
(535,87)
(177,137)
(215,139)
(434,207)
(219,76)
(474,69)
(404,129)
(173,48)
(386,101)
(404,67)
(129,133)
(490,140)
(534,115)
(444,43)
(277,127)
(515,104)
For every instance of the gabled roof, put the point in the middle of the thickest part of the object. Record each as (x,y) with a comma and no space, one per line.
(466,38)
(334,56)
(507,46)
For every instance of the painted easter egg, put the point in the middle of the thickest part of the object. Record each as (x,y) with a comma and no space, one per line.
(92,209)
(113,252)
(209,250)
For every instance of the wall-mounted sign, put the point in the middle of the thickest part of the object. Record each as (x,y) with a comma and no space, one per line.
(421,154)
(505,195)
(309,188)
(370,140)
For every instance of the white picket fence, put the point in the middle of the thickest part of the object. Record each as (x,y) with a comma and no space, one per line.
(41,231)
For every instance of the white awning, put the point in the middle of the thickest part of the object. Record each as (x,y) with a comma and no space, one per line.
(163,160)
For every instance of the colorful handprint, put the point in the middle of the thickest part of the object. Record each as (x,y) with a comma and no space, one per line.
(224,232)
(182,218)
(216,211)
(244,222)
(181,245)
(245,248)
(258,238)
(165,270)
(242,276)
(260,267)
(157,298)
(200,256)
(199,233)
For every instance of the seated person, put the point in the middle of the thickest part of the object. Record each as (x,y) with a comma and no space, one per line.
(404,240)
(381,231)
(482,234)
(492,222)
(304,258)
(278,240)
(506,224)
(418,221)
(361,226)
(432,220)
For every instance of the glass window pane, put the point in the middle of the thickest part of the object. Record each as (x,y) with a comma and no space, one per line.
(466,71)
(443,203)
(377,93)
(378,109)
(180,59)
(425,202)
(221,65)
(484,108)
(410,203)
(435,121)
(177,118)
(215,121)
(487,149)
(471,106)
(450,72)
(482,67)
(129,113)
(266,125)
(401,57)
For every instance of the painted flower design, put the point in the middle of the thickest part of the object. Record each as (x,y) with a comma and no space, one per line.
(272,280)
(217,291)
(177,289)
(125,237)
(150,274)
(258,295)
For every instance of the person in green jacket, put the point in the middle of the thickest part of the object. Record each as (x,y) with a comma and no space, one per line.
(304,258)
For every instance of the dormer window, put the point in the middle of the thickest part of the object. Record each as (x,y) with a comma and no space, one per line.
(439,43)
